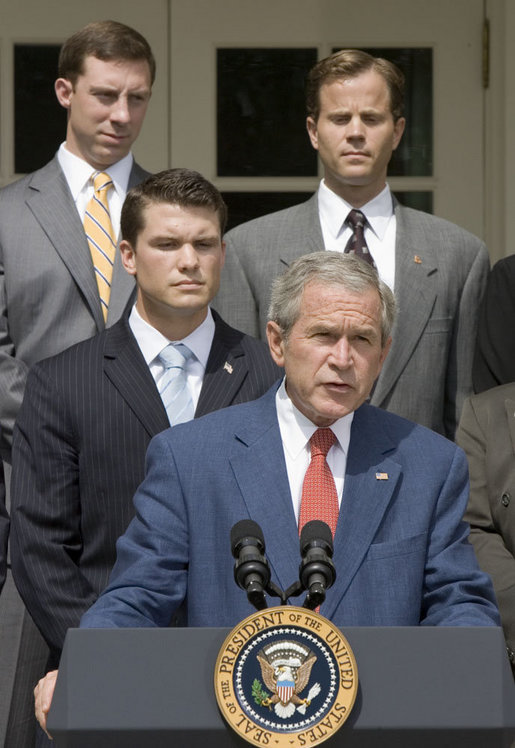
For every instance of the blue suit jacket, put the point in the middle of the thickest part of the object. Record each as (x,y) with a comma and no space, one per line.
(401,550)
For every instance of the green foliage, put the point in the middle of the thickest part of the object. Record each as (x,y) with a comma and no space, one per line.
(258,694)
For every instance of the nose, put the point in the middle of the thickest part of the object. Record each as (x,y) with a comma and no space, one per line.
(355,128)
(188,257)
(341,354)
(120,112)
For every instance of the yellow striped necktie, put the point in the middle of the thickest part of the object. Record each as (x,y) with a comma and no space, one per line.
(100,236)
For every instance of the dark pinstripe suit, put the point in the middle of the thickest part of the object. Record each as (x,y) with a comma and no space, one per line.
(78,457)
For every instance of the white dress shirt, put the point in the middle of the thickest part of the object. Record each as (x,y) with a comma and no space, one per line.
(152,342)
(78,175)
(296,431)
(380,231)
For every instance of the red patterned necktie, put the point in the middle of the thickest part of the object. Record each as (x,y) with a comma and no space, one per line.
(357,244)
(319,496)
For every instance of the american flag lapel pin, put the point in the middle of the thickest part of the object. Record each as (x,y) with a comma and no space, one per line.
(228,367)
(381,476)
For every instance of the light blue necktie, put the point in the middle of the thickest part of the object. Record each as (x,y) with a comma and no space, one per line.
(173,386)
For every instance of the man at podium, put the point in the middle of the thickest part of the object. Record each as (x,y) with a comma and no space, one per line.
(393,492)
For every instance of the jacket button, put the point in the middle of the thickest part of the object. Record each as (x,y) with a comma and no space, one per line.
(505,499)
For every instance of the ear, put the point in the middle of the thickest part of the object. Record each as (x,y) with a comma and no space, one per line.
(384,352)
(64,91)
(398,129)
(223,255)
(128,255)
(312,132)
(275,342)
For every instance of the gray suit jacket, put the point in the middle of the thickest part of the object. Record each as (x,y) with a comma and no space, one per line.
(487,434)
(48,293)
(440,276)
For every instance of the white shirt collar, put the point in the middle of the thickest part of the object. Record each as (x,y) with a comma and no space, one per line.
(333,210)
(152,342)
(296,429)
(78,172)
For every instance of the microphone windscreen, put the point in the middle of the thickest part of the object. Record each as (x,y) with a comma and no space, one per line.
(246,528)
(315,530)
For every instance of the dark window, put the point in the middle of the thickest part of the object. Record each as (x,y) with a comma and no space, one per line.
(261,113)
(39,121)
(243,206)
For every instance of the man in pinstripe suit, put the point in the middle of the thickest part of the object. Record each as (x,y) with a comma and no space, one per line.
(90,412)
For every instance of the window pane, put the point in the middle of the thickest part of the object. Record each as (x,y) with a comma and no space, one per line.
(261,113)
(418,200)
(243,206)
(39,121)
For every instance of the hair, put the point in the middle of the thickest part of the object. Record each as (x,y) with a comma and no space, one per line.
(349,63)
(105,40)
(182,187)
(331,269)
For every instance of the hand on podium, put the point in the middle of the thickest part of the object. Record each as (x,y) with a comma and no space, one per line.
(43,694)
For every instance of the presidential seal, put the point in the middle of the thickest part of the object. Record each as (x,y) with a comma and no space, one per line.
(285,676)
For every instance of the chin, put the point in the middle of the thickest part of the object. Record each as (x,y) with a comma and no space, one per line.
(327,418)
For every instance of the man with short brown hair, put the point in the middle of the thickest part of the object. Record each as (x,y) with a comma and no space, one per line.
(90,412)
(49,298)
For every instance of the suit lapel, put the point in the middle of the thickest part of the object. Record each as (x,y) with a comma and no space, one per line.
(260,471)
(416,273)
(126,368)
(225,370)
(304,230)
(371,478)
(49,199)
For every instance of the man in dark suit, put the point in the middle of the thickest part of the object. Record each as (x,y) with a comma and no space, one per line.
(400,561)
(90,412)
(436,269)
(487,434)
(494,358)
(49,292)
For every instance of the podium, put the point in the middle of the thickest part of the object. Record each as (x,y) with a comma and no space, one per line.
(429,687)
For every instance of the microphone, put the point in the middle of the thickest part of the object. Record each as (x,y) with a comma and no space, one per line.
(251,570)
(317,572)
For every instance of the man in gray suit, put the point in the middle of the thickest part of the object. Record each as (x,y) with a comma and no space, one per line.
(49,296)
(436,269)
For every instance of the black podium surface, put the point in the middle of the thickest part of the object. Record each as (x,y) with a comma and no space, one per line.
(424,687)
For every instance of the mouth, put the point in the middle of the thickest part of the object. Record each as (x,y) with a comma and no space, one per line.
(189,284)
(340,387)
(114,138)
